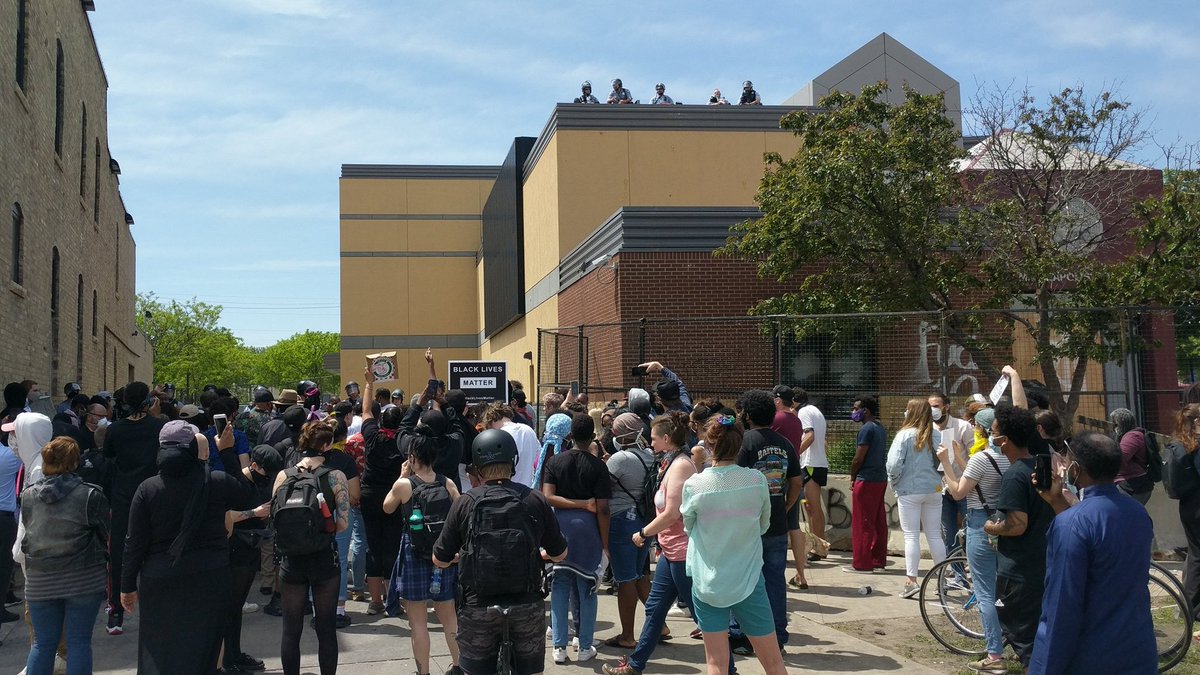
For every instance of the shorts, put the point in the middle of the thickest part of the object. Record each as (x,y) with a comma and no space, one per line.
(480,630)
(753,613)
(820,474)
(793,516)
(628,561)
(416,571)
(311,568)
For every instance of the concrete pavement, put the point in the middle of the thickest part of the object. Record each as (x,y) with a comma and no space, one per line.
(378,645)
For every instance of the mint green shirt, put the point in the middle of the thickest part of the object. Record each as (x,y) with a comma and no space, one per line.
(726,509)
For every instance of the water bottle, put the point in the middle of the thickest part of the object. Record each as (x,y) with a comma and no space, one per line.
(325,512)
(864,590)
(435,586)
(416,522)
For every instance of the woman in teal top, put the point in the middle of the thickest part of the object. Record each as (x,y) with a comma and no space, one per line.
(725,511)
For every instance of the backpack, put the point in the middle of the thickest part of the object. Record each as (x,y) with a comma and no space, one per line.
(501,555)
(645,506)
(299,520)
(1154,458)
(1179,475)
(433,499)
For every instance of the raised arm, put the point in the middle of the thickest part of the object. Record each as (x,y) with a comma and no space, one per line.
(1018,389)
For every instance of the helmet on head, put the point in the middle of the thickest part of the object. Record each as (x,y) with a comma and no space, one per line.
(586,85)
(616,82)
(493,446)
(660,85)
(72,389)
(747,84)
(307,386)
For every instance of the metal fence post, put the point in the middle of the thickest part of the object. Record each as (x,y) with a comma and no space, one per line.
(777,346)
(579,365)
(943,355)
(642,349)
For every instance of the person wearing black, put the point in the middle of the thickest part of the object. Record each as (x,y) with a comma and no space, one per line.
(455,409)
(381,467)
(131,445)
(1021,549)
(293,420)
(494,453)
(315,573)
(177,556)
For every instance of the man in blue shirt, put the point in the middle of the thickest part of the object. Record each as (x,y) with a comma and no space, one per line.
(1097,571)
(868,478)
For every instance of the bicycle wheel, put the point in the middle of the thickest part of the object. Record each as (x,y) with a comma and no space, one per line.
(949,608)
(1172,621)
(1162,572)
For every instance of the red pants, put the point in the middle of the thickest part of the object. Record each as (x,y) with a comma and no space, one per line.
(868,525)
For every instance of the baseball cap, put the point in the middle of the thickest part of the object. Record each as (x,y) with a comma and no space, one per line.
(294,417)
(668,390)
(263,395)
(784,392)
(189,411)
(268,458)
(177,432)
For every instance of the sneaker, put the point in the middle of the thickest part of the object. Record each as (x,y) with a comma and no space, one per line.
(8,617)
(813,557)
(740,645)
(455,670)
(375,608)
(957,583)
(249,607)
(358,596)
(676,610)
(586,654)
(575,643)
(249,663)
(850,569)
(621,668)
(988,665)
(115,620)
(549,632)
(11,599)
(274,607)
(910,590)
(560,655)
(341,621)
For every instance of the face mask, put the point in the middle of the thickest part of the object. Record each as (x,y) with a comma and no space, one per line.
(1068,480)
(857,415)
(993,447)
(937,414)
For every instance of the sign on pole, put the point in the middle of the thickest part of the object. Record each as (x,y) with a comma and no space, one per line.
(481,381)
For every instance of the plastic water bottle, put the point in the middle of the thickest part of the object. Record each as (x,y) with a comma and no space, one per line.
(864,590)
(416,522)
(435,586)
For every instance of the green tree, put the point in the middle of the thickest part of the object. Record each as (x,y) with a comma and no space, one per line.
(881,211)
(190,347)
(299,357)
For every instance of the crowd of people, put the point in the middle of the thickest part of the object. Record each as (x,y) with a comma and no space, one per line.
(142,504)
(621,96)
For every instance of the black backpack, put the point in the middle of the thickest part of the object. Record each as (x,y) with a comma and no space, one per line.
(1179,475)
(434,501)
(297,517)
(501,555)
(1154,458)
(645,506)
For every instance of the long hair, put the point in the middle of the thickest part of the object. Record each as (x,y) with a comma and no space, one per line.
(314,436)
(1185,426)
(918,415)
(723,436)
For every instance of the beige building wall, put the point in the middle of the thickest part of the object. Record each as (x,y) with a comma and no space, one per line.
(69,201)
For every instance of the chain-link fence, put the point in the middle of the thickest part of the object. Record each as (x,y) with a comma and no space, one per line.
(1131,360)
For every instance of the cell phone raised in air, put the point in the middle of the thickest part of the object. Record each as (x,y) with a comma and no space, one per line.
(1041,472)
(638,371)
(431,389)
(574,387)
(220,421)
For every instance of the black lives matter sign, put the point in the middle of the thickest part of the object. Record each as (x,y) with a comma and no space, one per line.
(481,381)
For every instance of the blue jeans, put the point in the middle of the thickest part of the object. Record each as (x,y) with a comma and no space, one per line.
(51,618)
(560,599)
(358,550)
(343,543)
(951,508)
(983,577)
(670,582)
(774,569)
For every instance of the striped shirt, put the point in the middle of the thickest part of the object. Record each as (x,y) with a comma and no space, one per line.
(979,468)
(65,584)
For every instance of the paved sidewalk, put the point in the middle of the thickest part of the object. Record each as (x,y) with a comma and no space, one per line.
(380,645)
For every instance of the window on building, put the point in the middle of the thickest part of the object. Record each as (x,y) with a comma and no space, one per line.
(60,95)
(95,320)
(18,227)
(83,151)
(96,180)
(22,38)
(79,330)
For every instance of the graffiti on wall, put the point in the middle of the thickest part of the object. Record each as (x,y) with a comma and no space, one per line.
(839,509)
(961,370)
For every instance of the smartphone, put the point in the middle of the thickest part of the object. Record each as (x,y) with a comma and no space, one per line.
(638,371)
(574,387)
(431,389)
(1041,471)
(220,421)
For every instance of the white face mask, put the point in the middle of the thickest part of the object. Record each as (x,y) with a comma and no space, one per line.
(937,414)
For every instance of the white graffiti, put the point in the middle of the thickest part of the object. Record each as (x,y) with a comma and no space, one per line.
(960,367)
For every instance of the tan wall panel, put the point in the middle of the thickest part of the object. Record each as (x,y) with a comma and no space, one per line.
(593,182)
(446,196)
(365,311)
(785,143)
(373,195)
(511,343)
(542,215)
(441,296)
(443,235)
(697,168)
(374,235)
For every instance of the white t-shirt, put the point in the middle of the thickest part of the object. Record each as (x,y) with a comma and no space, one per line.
(815,456)
(528,449)
(961,431)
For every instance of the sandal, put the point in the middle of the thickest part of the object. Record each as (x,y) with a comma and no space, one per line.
(795,582)
(664,635)
(696,634)
(615,641)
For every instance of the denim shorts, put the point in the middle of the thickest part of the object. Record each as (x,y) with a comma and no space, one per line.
(753,613)
(628,561)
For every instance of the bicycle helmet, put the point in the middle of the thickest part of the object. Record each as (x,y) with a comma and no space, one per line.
(493,446)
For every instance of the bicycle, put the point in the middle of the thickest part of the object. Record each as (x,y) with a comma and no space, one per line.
(504,660)
(950,612)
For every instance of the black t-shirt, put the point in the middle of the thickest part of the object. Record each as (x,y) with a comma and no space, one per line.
(1023,558)
(576,474)
(342,462)
(133,445)
(774,456)
(273,432)
(382,459)
(545,527)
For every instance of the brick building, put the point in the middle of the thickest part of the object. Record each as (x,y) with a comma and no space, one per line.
(66,250)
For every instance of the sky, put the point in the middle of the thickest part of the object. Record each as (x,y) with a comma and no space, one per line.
(231,118)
